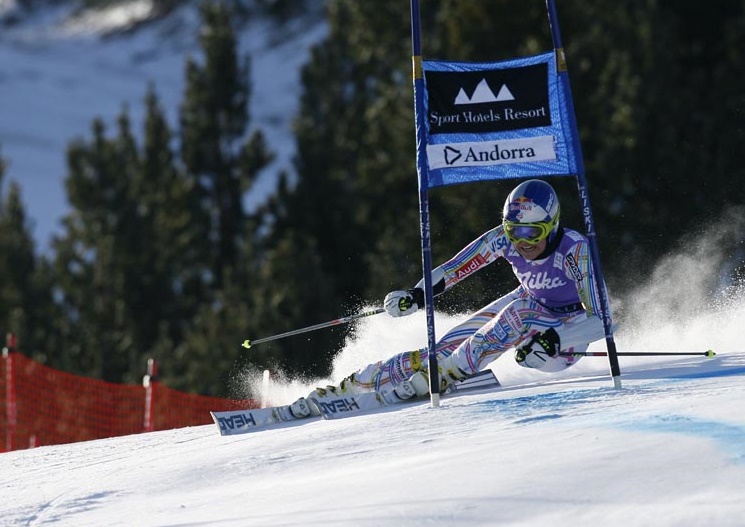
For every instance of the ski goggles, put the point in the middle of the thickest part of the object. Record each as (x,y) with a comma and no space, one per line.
(531,233)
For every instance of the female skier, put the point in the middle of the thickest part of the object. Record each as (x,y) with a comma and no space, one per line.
(555,307)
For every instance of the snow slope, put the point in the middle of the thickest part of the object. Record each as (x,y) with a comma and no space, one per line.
(58,74)
(666,450)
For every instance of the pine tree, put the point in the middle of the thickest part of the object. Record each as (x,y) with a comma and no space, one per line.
(214,118)
(221,162)
(93,254)
(17,266)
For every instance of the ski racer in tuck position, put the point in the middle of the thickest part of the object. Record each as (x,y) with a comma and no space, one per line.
(555,308)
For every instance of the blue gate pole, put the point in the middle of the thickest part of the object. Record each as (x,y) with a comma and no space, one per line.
(421,167)
(615,369)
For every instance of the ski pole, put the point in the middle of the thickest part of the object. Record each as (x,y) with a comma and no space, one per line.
(344,320)
(707,353)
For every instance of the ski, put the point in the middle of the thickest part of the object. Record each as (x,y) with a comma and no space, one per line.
(332,406)
(235,422)
(482,379)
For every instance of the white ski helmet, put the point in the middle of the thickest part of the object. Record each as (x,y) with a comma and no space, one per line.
(531,212)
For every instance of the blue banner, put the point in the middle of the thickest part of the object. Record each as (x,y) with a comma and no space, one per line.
(497,120)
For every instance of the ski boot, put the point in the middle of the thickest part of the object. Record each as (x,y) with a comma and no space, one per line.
(304,407)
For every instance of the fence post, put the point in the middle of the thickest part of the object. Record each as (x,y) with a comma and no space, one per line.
(10,391)
(265,388)
(148,382)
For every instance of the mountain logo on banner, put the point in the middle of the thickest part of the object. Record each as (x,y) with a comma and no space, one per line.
(487,100)
(484,94)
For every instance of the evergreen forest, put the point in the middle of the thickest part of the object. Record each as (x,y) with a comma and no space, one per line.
(159,257)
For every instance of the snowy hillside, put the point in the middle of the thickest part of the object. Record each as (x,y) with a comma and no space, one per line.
(59,73)
(666,450)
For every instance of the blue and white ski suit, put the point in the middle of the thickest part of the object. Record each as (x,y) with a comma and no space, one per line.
(557,291)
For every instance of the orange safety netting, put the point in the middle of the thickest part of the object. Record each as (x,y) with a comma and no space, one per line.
(43,406)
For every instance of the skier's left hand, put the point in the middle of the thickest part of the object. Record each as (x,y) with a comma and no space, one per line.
(537,352)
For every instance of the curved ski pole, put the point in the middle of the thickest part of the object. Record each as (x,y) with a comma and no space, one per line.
(707,353)
(344,320)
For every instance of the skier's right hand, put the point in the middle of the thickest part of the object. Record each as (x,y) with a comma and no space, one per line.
(402,303)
